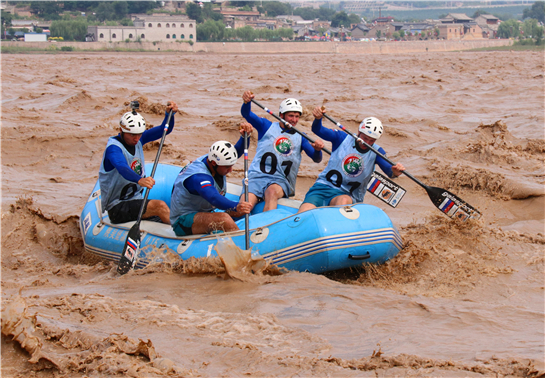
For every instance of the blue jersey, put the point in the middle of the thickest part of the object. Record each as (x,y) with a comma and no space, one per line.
(121,169)
(114,187)
(278,155)
(349,168)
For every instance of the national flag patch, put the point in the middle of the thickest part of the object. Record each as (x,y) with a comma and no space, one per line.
(448,207)
(374,185)
(204,184)
(131,243)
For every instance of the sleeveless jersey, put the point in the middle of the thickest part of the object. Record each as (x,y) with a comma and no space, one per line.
(277,157)
(349,170)
(114,188)
(182,202)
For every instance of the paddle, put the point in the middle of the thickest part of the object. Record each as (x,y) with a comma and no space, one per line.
(240,263)
(450,204)
(132,243)
(289,126)
(247,216)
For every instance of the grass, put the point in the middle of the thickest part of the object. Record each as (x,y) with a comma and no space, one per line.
(512,48)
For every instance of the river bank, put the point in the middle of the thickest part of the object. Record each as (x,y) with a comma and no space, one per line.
(353,48)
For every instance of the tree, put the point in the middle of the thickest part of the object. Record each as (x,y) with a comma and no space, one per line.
(142,6)
(194,12)
(529,27)
(208,13)
(396,36)
(49,10)
(69,30)
(121,8)
(354,19)
(539,35)
(326,14)
(286,33)
(509,29)
(240,4)
(6,20)
(478,12)
(402,33)
(211,30)
(247,33)
(306,13)
(340,19)
(105,11)
(537,11)
(276,8)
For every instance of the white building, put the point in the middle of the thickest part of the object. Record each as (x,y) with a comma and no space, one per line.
(35,37)
(156,28)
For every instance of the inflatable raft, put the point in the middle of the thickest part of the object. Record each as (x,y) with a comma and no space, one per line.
(316,241)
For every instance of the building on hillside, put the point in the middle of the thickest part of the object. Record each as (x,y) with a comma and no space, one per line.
(317,24)
(383,20)
(240,15)
(381,31)
(472,31)
(423,29)
(289,19)
(450,31)
(456,18)
(359,31)
(24,24)
(163,28)
(489,25)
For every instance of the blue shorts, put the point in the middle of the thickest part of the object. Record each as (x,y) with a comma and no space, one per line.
(258,186)
(182,226)
(321,195)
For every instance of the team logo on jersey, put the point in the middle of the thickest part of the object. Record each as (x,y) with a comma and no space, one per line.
(353,165)
(283,145)
(136,166)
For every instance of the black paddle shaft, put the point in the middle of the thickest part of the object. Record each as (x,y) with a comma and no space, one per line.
(437,195)
(289,126)
(155,166)
(132,243)
(247,216)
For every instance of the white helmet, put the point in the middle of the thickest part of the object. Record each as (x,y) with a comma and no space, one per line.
(290,105)
(372,127)
(223,153)
(132,123)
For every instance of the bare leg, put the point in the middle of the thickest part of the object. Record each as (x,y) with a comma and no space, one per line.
(158,208)
(306,206)
(252,198)
(205,223)
(341,200)
(273,193)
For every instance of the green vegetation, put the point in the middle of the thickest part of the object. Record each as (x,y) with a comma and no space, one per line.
(215,31)
(515,47)
(528,30)
(537,11)
(70,30)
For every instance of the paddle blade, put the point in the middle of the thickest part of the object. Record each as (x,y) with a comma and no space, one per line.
(130,250)
(452,205)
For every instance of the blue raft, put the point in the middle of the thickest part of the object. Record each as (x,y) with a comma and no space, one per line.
(316,241)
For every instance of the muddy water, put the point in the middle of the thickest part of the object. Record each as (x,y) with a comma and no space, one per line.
(460,300)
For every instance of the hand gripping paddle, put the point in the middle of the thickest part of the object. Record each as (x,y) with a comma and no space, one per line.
(449,203)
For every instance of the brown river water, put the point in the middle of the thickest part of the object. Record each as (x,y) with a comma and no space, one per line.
(460,300)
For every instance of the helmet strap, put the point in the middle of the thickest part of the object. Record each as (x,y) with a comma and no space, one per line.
(212,167)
